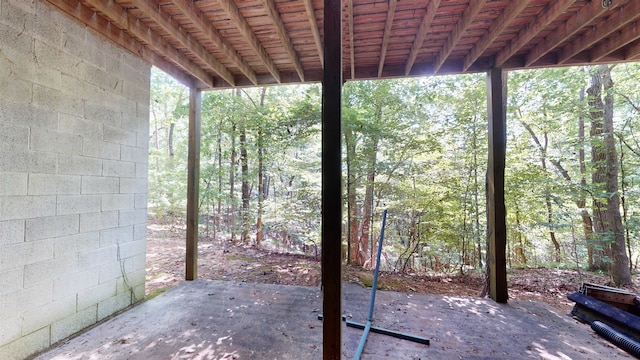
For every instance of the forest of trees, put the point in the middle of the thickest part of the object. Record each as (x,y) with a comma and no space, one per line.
(417,147)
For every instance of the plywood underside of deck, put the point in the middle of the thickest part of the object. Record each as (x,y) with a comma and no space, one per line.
(227,320)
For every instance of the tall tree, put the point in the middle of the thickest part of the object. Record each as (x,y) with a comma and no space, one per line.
(244,168)
(263,184)
(607,218)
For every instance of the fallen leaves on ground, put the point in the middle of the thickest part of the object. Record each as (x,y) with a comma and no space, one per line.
(225,260)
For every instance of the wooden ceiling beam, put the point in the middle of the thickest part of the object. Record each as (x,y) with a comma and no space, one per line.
(194,15)
(513,9)
(119,37)
(164,21)
(352,50)
(123,20)
(241,23)
(425,24)
(615,42)
(621,17)
(311,15)
(273,14)
(534,28)
(456,34)
(632,51)
(585,15)
(391,11)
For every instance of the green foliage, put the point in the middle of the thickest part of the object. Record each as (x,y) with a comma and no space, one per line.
(417,147)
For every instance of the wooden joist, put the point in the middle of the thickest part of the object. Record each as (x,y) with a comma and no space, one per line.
(233,13)
(568,28)
(387,34)
(425,24)
(456,34)
(620,17)
(529,32)
(195,16)
(311,15)
(510,13)
(283,35)
(352,45)
(135,28)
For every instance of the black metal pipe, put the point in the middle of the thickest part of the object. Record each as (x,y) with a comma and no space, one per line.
(619,339)
(395,334)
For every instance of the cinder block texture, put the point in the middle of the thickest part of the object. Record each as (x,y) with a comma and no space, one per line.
(73,176)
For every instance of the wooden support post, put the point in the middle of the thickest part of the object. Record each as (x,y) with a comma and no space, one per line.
(193,182)
(332,181)
(496,212)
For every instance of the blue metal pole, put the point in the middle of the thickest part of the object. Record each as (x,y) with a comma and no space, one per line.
(375,274)
(367,327)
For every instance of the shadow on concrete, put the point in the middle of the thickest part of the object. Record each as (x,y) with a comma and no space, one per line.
(228,320)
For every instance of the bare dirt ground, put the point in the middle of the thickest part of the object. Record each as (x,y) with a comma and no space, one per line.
(223,260)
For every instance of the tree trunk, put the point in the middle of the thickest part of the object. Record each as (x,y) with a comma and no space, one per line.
(599,243)
(476,187)
(172,127)
(219,196)
(232,175)
(587,223)
(244,161)
(261,180)
(259,225)
(625,215)
(352,206)
(608,221)
(367,207)
(552,233)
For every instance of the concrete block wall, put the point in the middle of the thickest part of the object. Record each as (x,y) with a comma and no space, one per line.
(73,177)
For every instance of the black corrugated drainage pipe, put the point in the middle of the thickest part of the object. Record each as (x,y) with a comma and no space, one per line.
(621,340)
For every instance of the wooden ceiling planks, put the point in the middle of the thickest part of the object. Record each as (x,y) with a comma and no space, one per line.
(227,43)
(387,34)
(496,28)
(470,13)
(574,24)
(421,35)
(281,30)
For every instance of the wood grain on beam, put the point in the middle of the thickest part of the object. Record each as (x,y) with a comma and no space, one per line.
(387,34)
(508,15)
(193,184)
(584,16)
(534,28)
(164,21)
(352,47)
(195,16)
(615,42)
(623,16)
(456,34)
(496,212)
(427,19)
(331,226)
(311,15)
(273,14)
(119,37)
(632,52)
(241,23)
(121,19)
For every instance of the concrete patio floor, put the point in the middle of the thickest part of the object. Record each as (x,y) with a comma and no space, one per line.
(228,320)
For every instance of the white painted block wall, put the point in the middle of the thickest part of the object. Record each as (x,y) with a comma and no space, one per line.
(73,177)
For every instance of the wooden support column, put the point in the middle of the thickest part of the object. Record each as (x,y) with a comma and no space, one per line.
(332,181)
(496,212)
(193,183)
